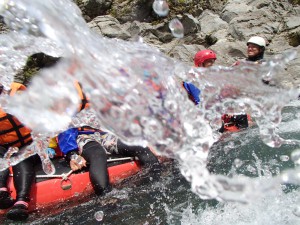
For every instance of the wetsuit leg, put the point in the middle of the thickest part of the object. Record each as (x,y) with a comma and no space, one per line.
(24,176)
(95,155)
(145,156)
(3,174)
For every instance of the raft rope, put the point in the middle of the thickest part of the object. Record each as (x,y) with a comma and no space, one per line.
(65,176)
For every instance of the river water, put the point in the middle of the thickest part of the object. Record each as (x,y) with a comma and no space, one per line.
(237,178)
(171,201)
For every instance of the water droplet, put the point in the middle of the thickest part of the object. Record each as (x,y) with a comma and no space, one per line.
(99,215)
(138,39)
(176,28)
(296,211)
(242,105)
(151,206)
(135,129)
(251,169)
(160,7)
(238,163)
(284,158)
(77,158)
(295,156)
(231,144)
(171,105)
(48,166)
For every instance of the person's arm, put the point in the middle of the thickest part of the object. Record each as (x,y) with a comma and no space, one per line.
(68,145)
(193,92)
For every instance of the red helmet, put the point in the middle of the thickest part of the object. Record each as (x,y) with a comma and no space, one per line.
(203,55)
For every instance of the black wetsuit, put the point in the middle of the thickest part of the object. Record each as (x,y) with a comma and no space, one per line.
(24,175)
(95,154)
(258,58)
(146,159)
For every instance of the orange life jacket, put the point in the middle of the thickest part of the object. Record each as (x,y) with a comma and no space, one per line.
(84,100)
(13,133)
(15,87)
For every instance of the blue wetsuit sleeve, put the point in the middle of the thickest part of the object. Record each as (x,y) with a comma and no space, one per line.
(193,91)
(67,140)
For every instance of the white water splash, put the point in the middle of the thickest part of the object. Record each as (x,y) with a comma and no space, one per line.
(295,156)
(135,93)
(15,49)
(38,146)
(274,209)
(99,215)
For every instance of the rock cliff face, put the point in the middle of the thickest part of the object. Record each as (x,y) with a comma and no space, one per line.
(223,26)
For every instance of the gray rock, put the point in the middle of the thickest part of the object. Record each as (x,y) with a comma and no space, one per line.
(109,26)
(191,24)
(292,22)
(260,22)
(131,10)
(234,8)
(211,23)
(228,52)
(184,53)
(94,8)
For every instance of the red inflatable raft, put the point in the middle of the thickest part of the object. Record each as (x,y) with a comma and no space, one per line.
(48,191)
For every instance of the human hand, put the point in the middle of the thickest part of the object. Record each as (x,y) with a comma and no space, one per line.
(77,162)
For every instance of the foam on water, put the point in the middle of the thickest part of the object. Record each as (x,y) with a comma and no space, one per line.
(136,94)
(274,209)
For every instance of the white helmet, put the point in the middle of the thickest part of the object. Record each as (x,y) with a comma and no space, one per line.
(257,41)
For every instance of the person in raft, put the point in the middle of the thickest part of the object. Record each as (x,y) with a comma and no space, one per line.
(14,134)
(204,58)
(256,47)
(255,53)
(88,145)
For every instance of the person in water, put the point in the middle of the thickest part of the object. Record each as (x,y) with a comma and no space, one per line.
(14,134)
(204,58)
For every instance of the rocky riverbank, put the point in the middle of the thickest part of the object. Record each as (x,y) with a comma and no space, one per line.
(221,25)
